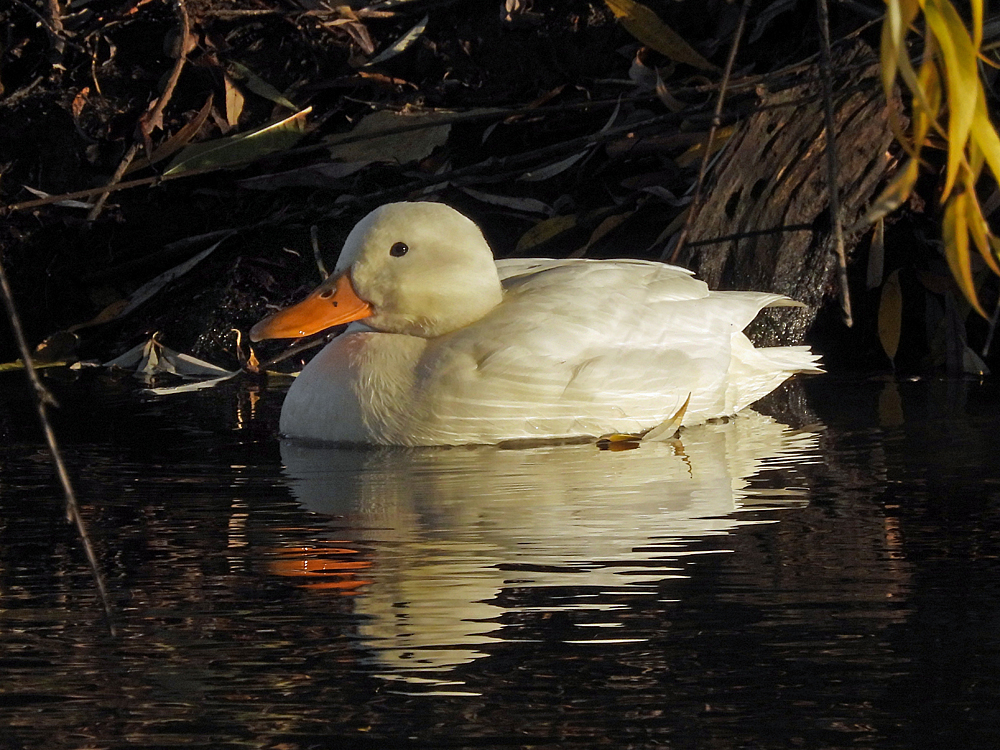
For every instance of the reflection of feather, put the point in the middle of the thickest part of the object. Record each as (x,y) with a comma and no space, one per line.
(443,524)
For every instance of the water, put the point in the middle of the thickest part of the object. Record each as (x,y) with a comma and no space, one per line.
(834,585)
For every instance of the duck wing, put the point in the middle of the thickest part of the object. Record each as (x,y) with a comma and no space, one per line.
(582,347)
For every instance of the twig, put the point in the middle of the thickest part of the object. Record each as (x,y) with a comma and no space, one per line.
(826,78)
(43,399)
(154,119)
(716,123)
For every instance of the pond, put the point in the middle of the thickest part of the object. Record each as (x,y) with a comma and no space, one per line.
(826,577)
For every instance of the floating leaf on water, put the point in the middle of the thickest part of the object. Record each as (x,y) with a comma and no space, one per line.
(666,429)
(642,23)
(890,315)
(240,149)
(400,44)
(151,358)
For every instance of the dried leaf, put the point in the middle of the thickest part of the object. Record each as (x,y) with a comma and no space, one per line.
(646,26)
(234,102)
(667,428)
(894,195)
(516,203)
(606,226)
(544,231)
(151,358)
(551,170)
(890,315)
(400,44)
(258,85)
(376,138)
(313,175)
(239,149)
(177,141)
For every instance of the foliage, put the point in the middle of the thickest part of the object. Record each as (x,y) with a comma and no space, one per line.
(945,88)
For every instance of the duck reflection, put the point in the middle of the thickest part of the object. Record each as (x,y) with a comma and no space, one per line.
(427,538)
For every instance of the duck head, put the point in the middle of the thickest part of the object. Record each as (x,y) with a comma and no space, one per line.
(421,269)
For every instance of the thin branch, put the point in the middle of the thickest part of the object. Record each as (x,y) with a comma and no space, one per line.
(826,78)
(154,119)
(716,123)
(43,400)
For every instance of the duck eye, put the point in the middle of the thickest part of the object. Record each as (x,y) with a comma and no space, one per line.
(399,249)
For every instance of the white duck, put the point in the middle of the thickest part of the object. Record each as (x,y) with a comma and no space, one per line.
(453,348)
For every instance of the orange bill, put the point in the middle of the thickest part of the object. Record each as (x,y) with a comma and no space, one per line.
(332,303)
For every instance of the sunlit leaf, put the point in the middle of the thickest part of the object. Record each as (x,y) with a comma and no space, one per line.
(400,44)
(961,66)
(258,85)
(667,428)
(642,23)
(894,195)
(980,232)
(956,248)
(241,149)
(234,102)
(890,315)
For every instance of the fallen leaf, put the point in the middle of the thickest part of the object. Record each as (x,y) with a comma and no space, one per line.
(401,44)
(377,138)
(258,85)
(177,141)
(240,149)
(544,231)
(642,23)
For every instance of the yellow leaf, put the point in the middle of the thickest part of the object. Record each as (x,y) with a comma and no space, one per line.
(955,233)
(894,195)
(890,315)
(646,26)
(980,231)
(986,138)
(962,76)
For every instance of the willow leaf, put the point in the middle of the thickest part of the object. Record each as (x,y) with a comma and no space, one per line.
(955,233)
(642,23)
(962,76)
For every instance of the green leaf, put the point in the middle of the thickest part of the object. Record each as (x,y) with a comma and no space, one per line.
(240,149)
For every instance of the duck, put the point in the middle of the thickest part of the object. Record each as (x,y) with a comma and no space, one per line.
(447,346)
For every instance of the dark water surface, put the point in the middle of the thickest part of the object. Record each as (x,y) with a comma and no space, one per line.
(836,585)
